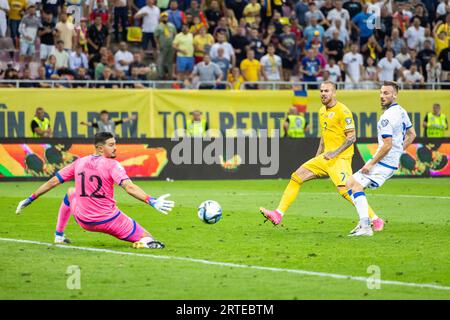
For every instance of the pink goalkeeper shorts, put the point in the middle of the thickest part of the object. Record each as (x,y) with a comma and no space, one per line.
(120,225)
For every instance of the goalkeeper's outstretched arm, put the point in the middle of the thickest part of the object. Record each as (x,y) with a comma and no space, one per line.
(44,188)
(160,204)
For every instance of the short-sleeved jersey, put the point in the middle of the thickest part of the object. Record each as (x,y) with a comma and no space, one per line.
(393,124)
(335,123)
(94,177)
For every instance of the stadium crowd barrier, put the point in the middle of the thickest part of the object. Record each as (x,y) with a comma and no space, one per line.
(261,85)
(231,158)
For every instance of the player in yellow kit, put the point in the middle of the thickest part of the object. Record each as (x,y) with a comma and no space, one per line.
(333,157)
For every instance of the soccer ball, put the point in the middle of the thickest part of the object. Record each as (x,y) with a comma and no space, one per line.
(209,211)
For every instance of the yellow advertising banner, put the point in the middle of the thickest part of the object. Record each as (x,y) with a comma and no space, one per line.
(159,112)
(66,108)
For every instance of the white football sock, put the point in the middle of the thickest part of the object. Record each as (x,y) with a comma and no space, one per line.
(362,206)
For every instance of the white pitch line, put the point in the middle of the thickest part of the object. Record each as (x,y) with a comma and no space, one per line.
(235,265)
(336,194)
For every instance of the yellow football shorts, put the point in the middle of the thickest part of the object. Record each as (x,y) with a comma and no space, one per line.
(338,169)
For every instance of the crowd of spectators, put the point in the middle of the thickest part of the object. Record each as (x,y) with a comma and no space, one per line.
(216,41)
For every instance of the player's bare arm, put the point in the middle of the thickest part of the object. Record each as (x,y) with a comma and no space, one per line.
(409,137)
(385,148)
(160,204)
(350,139)
(44,188)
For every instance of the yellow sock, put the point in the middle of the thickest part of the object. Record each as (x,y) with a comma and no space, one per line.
(290,193)
(347,197)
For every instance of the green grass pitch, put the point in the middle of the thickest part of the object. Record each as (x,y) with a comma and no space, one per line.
(414,247)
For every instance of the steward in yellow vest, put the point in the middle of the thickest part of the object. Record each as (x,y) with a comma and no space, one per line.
(40,125)
(435,123)
(196,126)
(295,124)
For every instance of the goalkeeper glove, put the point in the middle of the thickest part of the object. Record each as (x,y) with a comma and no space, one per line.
(26,202)
(161,204)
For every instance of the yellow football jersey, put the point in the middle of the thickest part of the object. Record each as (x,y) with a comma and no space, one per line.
(335,122)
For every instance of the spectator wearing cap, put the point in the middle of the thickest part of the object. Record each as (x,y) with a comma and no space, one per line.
(28,31)
(165,33)
(97,36)
(184,46)
(46,33)
(150,19)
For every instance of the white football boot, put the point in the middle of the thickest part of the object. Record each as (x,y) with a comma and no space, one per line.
(361,231)
(61,240)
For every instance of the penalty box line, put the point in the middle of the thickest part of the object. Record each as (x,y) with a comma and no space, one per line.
(235,265)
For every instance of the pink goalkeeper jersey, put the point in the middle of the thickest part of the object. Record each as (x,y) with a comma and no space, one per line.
(94,183)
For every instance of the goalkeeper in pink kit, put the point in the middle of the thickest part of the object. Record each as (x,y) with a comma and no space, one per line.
(92,202)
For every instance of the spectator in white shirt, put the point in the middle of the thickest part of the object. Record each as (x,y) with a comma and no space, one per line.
(388,66)
(403,55)
(339,13)
(271,65)
(333,70)
(123,58)
(434,70)
(78,59)
(61,55)
(228,49)
(412,77)
(414,33)
(354,68)
(343,32)
(150,20)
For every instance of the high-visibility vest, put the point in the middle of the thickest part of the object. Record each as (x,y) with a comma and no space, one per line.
(296,127)
(196,128)
(43,125)
(436,125)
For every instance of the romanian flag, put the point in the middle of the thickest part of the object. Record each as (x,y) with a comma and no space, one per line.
(300,100)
